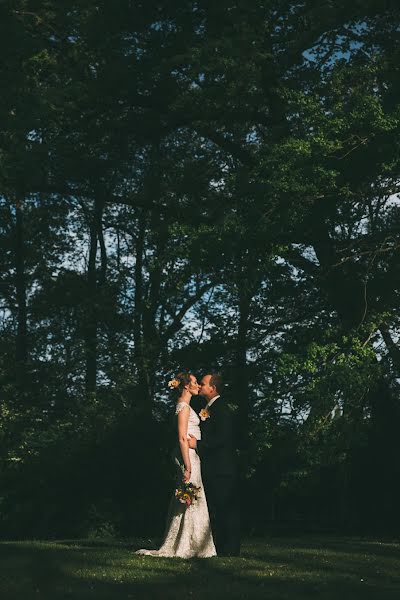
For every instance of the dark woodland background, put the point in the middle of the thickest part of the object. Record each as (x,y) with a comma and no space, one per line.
(196,185)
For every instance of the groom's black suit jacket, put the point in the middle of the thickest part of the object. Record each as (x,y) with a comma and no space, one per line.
(220,477)
(217,445)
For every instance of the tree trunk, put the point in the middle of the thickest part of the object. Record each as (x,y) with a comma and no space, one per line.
(91,316)
(21,352)
(242,375)
(345,289)
(143,395)
(152,343)
(382,465)
(92,297)
(343,284)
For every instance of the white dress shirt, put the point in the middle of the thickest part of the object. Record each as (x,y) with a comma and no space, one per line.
(211,401)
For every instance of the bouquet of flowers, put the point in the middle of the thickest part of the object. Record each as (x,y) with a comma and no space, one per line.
(187,493)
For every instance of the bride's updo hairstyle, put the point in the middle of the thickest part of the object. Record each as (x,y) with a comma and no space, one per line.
(177,384)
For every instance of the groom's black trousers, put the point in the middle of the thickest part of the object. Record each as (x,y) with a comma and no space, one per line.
(222,492)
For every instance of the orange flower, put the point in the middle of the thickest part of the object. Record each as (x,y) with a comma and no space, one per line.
(204,414)
(173,383)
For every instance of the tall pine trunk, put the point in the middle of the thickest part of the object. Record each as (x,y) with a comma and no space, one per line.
(21,350)
(95,281)
(91,316)
(143,395)
(242,374)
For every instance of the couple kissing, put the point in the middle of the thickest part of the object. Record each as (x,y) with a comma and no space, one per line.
(203,517)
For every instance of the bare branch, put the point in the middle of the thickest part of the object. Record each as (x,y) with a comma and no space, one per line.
(191,301)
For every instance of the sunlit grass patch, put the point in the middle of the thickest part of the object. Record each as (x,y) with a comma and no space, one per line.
(331,568)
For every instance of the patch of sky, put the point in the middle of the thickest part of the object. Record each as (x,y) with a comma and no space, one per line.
(132,43)
(329,49)
(365,213)
(218,184)
(252,136)
(308,252)
(164,26)
(34,136)
(196,325)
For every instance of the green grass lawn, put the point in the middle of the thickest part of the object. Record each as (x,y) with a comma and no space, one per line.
(272,568)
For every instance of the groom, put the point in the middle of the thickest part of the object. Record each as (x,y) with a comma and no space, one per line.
(218,466)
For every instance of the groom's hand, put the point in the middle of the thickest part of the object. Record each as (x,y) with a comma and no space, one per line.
(192,441)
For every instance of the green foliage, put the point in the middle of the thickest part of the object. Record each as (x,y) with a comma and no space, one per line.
(197,186)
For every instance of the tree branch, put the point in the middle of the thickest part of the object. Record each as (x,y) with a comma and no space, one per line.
(177,319)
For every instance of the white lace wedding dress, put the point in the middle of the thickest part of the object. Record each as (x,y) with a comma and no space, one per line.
(188,531)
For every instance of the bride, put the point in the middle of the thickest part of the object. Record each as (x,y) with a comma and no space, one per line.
(188,531)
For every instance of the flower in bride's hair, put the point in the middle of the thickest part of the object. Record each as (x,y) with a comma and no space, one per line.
(173,383)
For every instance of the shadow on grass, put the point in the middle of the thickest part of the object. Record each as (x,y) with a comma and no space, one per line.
(272,568)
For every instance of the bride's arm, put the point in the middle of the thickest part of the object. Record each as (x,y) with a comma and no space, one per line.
(183,419)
